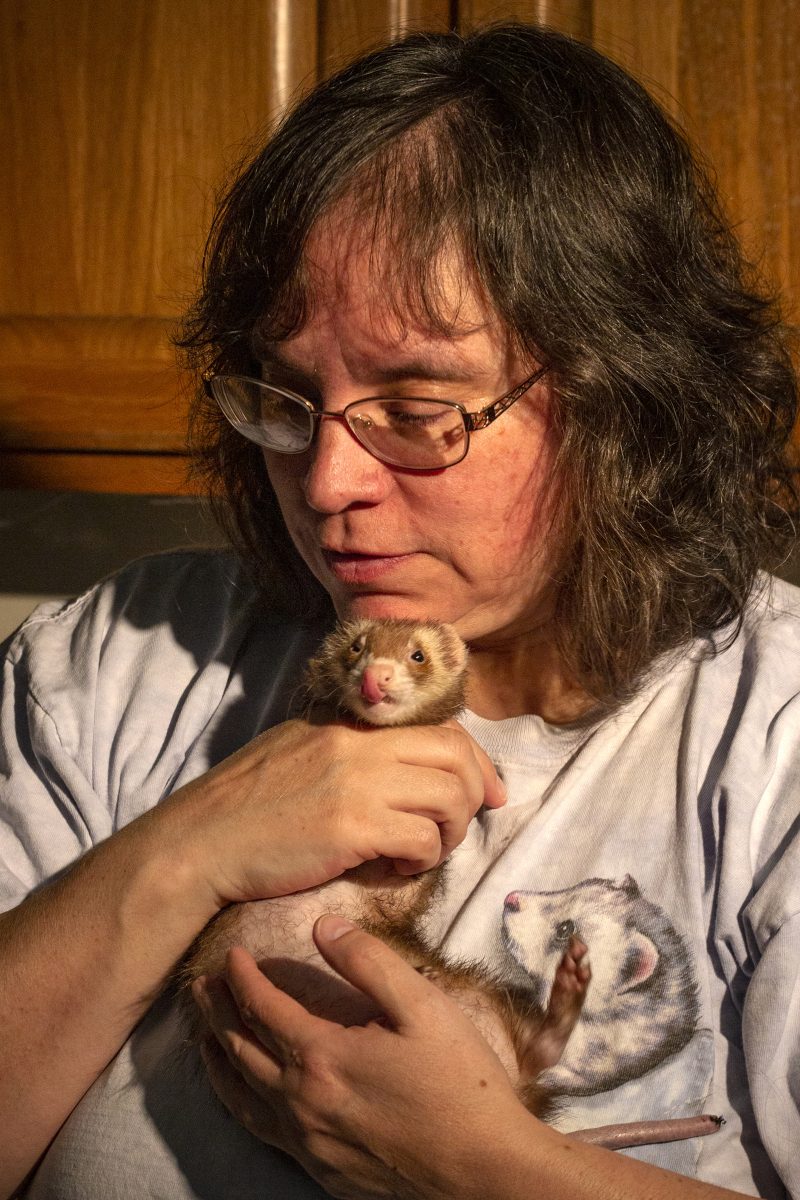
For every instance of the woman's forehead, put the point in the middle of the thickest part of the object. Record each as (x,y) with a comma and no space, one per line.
(354,269)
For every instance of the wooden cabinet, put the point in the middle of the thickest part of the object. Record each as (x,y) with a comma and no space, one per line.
(119,122)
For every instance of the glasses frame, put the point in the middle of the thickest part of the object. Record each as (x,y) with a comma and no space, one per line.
(472,420)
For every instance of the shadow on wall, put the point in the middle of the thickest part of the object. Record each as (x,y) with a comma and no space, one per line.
(57,544)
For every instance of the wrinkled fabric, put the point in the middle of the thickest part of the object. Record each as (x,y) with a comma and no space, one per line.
(665,836)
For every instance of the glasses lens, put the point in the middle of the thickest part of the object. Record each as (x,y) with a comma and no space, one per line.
(420,434)
(264,414)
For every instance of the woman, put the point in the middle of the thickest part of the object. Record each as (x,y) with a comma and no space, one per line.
(507,224)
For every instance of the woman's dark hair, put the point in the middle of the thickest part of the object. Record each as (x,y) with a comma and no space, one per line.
(583,217)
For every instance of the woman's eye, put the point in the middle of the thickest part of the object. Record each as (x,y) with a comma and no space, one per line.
(416,420)
(409,413)
(565,930)
(418,656)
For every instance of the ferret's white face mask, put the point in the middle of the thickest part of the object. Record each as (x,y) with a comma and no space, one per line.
(471,544)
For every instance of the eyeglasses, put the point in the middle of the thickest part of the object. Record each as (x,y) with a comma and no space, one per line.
(402,431)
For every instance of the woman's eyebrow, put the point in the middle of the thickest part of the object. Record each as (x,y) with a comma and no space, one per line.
(272,360)
(426,369)
(422,369)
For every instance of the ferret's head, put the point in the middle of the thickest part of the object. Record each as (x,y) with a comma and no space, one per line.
(397,672)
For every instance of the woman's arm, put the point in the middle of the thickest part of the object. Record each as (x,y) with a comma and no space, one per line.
(82,959)
(418,1107)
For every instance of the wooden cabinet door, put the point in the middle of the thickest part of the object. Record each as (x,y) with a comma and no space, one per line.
(119,120)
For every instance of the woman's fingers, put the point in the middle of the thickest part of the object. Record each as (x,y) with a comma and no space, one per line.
(448,748)
(345,1101)
(233,1018)
(301,804)
(460,779)
(375,969)
(494,789)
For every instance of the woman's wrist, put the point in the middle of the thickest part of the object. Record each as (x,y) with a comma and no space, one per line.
(170,877)
(507,1156)
(525,1159)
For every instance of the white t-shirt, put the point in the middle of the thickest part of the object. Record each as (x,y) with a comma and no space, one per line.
(666,836)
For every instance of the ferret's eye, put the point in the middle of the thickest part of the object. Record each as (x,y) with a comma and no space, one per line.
(565,930)
(357,646)
(418,656)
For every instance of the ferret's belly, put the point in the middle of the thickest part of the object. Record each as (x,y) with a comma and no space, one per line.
(278,933)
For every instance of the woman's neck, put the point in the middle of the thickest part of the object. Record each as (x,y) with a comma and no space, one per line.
(523,675)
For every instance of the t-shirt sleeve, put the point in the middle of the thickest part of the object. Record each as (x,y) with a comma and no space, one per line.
(767,846)
(771,1011)
(771,1036)
(750,801)
(49,812)
(112,701)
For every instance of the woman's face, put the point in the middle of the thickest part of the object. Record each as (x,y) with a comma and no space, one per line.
(472,544)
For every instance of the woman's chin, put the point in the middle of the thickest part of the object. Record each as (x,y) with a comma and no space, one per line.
(397,608)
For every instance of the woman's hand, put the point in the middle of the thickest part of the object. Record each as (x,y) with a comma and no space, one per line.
(415,1106)
(400,1108)
(302,803)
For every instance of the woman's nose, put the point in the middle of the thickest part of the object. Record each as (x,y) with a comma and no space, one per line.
(342,472)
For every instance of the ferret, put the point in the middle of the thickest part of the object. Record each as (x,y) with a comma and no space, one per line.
(643,1004)
(390,672)
(403,672)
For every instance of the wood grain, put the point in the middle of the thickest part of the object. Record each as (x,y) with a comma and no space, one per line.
(142,474)
(71,383)
(729,72)
(568,16)
(119,121)
(292,46)
(351,27)
(743,109)
(644,39)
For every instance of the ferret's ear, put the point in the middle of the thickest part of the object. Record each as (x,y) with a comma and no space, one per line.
(455,646)
(352,628)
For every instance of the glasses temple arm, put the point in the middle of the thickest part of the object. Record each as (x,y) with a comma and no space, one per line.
(479,420)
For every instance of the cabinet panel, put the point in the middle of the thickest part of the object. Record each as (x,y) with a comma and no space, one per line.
(569,16)
(352,27)
(142,474)
(90,383)
(729,72)
(119,121)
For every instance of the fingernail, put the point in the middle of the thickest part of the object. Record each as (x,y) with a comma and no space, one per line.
(331,928)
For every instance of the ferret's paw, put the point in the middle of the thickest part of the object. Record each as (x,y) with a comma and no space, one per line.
(546,1040)
(574,972)
(571,980)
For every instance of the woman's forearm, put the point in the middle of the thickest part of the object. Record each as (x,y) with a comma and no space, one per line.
(533,1162)
(80,962)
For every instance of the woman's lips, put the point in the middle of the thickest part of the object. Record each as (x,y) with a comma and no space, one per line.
(354,568)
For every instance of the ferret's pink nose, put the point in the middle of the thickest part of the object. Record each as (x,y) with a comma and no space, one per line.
(512,902)
(374,683)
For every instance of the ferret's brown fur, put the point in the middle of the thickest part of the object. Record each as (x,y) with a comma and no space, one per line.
(427,661)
